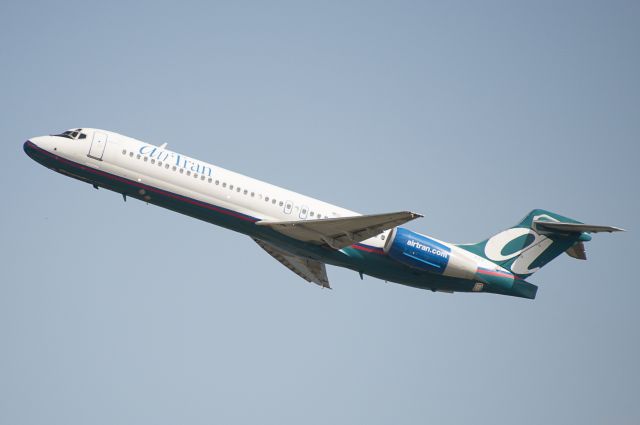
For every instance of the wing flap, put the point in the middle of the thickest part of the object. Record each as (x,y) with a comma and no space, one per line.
(340,232)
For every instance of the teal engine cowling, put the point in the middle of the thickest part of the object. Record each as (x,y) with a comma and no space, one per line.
(424,253)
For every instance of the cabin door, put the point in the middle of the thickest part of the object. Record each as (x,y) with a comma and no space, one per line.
(97,145)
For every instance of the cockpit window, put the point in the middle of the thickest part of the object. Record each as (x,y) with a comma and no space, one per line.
(66,134)
(73,134)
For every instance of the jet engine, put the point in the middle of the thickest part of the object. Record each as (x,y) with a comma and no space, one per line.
(423,253)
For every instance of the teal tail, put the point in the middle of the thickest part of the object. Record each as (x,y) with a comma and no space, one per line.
(539,238)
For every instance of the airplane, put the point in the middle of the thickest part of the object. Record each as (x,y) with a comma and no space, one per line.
(305,234)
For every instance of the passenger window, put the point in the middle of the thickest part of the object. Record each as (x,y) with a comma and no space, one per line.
(210,179)
(138,156)
(195,175)
(238,189)
(273,201)
(245,191)
(124,151)
(182,171)
(224,184)
(252,194)
(159,163)
(217,182)
(153,161)
(174,168)
(166,166)
(266,198)
(131,154)
(281,203)
(188,172)
(230,187)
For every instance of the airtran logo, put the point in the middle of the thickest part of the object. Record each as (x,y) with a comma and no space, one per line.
(427,249)
(175,159)
(529,243)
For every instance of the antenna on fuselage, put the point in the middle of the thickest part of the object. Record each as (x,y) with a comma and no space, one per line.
(164,145)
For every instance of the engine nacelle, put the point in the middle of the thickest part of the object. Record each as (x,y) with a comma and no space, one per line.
(424,253)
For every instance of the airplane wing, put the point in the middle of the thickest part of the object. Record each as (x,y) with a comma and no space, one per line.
(340,232)
(309,270)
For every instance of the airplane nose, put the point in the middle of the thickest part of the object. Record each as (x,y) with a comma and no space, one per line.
(32,150)
(28,147)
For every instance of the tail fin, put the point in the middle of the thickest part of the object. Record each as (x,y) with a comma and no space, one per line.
(539,238)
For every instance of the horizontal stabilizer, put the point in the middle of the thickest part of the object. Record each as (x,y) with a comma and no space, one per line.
(557,227)
(340,232)
(577,251)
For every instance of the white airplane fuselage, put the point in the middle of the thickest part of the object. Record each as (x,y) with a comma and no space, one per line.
(157,175)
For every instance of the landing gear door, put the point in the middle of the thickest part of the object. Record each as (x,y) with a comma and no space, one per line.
(98,144)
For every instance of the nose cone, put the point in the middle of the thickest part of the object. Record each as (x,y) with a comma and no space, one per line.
(30,148)
(36,148)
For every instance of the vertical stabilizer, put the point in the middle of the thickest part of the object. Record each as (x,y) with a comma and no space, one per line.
(539,238)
